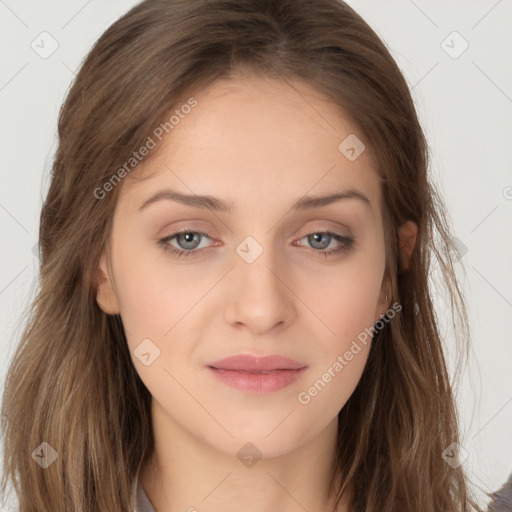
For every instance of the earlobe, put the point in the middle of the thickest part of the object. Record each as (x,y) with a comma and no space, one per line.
(407,234)
(105,294)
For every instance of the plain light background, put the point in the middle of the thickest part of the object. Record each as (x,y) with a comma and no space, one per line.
(464,100)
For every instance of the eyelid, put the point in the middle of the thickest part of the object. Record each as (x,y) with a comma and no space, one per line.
(179,231)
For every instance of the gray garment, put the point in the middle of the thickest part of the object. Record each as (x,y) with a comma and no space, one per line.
(502,499)
(142,503)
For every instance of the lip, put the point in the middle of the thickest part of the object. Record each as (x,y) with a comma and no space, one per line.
(250,363)
(255,374)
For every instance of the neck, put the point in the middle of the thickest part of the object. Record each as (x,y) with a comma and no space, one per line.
(187,474)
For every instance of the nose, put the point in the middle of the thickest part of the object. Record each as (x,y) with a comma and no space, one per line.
(261,297)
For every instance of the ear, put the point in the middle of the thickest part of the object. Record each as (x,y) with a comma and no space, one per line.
(384,299)
(407,233)
(105,294)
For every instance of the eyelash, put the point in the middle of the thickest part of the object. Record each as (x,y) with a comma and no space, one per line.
(346,246)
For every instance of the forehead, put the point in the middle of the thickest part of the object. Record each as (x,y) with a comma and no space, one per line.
(250,135)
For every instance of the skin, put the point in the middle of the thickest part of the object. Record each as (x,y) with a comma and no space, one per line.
(260,144)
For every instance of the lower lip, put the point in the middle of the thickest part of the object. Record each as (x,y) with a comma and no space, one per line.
(257,382)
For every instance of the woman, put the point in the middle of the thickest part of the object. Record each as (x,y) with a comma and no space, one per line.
(291,359)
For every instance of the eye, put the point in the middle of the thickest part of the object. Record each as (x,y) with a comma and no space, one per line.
(319,240)
(188,240)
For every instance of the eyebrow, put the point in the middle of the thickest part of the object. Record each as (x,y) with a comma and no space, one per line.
(215,204)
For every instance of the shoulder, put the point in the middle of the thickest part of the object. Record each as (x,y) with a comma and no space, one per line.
(501,500)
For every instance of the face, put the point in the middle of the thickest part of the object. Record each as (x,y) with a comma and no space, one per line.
(260,276)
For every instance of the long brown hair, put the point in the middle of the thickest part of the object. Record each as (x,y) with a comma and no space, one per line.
(72,384)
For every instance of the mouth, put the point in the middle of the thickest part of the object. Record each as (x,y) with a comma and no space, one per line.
(257,374)
(252,363)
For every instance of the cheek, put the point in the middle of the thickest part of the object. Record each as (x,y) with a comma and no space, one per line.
(154,294)
(344,300)
(347,311)
(157,312)
(347,306)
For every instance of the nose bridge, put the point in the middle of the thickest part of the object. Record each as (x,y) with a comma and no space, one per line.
(258,265)
(260,298)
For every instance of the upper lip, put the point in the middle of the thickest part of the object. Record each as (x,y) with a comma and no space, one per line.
(246,362)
